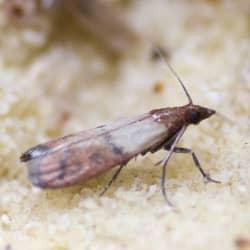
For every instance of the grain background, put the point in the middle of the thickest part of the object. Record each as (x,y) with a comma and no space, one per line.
(54,81)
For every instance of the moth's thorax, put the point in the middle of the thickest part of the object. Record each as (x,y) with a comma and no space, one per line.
(172,118)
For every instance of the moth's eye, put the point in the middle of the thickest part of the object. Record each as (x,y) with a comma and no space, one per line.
(193,116)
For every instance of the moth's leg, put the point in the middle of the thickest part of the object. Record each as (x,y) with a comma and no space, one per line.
(117,172)
(165,162)
(206,176)
(165,145)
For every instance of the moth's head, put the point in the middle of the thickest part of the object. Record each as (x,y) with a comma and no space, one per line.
(194,113)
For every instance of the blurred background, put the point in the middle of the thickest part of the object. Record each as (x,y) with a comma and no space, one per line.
(66,66)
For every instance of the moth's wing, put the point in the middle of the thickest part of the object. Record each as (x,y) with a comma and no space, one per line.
(104,22)
(75,158)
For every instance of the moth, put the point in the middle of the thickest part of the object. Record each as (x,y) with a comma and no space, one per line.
(78,157)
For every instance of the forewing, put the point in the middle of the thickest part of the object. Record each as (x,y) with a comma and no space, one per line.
(74,158)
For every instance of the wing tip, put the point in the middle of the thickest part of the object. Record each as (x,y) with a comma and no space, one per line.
(34,152)
(25,157)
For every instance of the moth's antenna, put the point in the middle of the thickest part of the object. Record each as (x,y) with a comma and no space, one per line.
(158,51)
